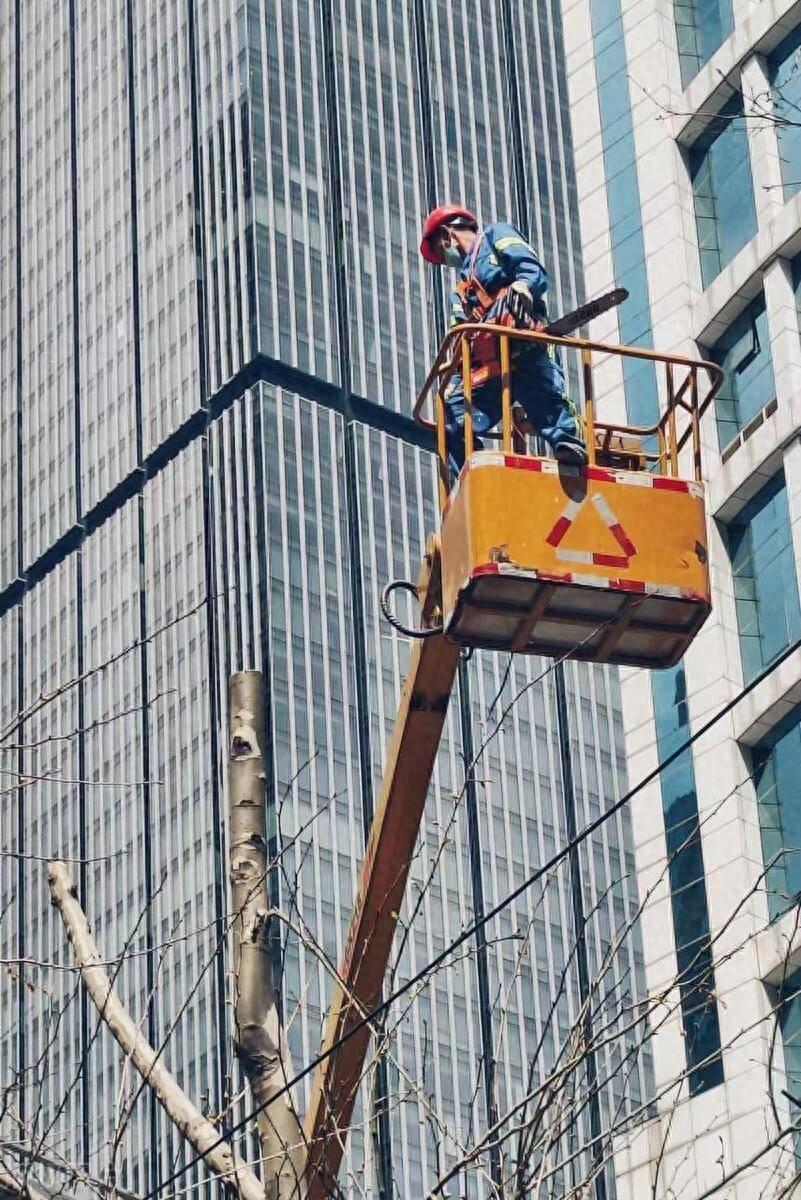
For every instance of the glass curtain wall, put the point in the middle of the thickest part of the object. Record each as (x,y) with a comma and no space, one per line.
(10,410)
(215,254)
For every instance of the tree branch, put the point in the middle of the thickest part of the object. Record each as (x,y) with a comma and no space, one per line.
(199,1132)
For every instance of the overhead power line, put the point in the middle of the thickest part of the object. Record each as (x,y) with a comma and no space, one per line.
(471,930)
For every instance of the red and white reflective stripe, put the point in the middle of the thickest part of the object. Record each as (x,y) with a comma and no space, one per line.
(564,521)
(667,484)
(597,559)
(637,586)
(613,525)
(550,466)
(502,568)
(593,558)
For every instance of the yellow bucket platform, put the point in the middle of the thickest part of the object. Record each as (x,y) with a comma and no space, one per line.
(540,558)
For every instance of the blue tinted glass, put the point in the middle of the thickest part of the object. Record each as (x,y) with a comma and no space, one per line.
(723,190)
(687,884)
(790,1024)
(623,200)
(701,26)
(785,77)
(744,354)
(777,769)
(765,585)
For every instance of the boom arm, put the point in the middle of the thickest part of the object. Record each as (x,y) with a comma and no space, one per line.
(399,810)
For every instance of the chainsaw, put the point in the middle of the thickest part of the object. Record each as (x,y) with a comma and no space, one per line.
(585,313)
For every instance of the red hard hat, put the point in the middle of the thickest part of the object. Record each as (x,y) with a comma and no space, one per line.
(434,222)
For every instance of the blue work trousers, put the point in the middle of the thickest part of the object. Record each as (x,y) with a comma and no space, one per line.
(538,384)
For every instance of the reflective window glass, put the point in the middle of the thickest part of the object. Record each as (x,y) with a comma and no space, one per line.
(796,278)
(720,169)
(785,78)
(687,884)
(623,200)
(701,26)
(789,998)
(777,769)
(765,585)
(744,354)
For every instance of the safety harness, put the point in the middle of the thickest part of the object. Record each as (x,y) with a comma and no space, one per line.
(476,301)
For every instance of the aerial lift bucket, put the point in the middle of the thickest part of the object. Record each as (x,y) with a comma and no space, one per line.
(606,562)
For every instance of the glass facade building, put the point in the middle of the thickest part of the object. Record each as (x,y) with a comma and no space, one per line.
(706,107)
(213,320)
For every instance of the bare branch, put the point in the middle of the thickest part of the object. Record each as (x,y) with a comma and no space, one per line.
(199,1132)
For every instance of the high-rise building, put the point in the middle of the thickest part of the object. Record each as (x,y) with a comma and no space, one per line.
(688,171)
(213,322)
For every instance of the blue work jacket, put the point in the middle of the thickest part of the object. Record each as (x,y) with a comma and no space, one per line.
(503,256)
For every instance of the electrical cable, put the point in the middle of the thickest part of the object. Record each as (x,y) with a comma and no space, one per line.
(471,930)
(403,585)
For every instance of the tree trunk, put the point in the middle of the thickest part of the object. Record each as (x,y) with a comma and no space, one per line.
(199,1132)
(259,1043)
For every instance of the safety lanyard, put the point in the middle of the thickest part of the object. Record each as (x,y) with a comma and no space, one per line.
(473,284)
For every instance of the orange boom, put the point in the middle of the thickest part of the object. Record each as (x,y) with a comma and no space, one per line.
(605,562)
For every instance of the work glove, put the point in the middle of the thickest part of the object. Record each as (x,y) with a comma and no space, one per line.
(519,299)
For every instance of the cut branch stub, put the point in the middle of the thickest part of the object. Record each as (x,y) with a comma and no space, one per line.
(244,741)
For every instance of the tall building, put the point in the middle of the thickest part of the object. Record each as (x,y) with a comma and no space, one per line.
(213,322)
(688,172)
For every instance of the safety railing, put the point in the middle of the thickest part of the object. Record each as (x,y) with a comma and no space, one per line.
(655,448)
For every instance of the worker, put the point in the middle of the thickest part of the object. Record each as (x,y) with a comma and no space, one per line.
(500,277)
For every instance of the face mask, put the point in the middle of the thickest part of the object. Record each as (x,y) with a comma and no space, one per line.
(453,256)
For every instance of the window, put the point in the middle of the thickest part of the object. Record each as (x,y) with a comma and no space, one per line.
(789,997)
(744,354)
(720,170)
(623,202)
(699,1012)
(785,78)
(777,769)
(701,26)
(765,585)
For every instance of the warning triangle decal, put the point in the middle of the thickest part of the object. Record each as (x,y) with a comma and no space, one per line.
(566,519)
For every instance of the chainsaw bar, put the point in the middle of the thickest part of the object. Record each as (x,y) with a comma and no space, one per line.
(586,312)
